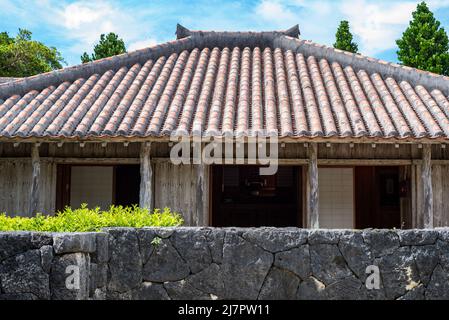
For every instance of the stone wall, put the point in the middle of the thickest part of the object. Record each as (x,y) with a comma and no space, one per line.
(208,263)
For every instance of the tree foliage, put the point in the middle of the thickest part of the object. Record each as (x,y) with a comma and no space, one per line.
(22,57)
(109,45)
(424,44)
(344,38)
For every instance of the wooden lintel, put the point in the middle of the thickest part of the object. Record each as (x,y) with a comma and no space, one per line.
(292,162)
(102,161)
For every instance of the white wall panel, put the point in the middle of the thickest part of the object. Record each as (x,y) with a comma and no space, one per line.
(92,185)
(336,198)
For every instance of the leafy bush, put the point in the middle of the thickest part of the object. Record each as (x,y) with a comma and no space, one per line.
(85,220)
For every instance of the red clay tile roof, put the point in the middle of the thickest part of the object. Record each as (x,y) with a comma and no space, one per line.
(229,83)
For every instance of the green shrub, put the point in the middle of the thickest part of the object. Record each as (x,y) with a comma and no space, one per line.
(85,220)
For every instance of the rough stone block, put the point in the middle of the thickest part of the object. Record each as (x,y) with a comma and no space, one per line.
(417,237)
(70,277)
(311,289)
(13,243)
(125,262)
(215,238)
(275,239)
(74,242)
(46,257)
(165,264)
(438,287)
(101,253)
(23,274)
(328,264)
(398,272)
(183,290)
(296,260)
(192,246)
(209,280)
(245,266)
(324,236)
(356,253)
(279,285)
(381,242)
(150,291)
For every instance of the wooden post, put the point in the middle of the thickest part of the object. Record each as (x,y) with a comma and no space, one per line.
(426,178)
(200,195)
(312,188)
(146,177)
(36,165)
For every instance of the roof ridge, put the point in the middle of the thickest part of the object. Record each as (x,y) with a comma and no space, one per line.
(183,32)
(371,65)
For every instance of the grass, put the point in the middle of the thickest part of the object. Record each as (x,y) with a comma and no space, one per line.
(87,220)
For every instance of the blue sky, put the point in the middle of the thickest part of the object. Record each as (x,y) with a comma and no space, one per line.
(75,26)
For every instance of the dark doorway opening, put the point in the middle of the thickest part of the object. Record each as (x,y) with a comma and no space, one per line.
(241,197)
(124,190)
(377,197)
(127,185)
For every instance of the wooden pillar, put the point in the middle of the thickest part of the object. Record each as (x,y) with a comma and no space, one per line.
(426,178)
(146,177)
(200,196)
(312,188)
(35,179)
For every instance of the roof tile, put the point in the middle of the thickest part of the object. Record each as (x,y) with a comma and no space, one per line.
(206,85)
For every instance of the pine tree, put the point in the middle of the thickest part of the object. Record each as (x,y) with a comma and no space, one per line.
(424,44)
(22,56)
(344,38)
(109,45)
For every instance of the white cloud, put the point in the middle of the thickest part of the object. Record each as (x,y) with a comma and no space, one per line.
(75,15)
(275,13)
(317,19)
(377,25)
(84,22)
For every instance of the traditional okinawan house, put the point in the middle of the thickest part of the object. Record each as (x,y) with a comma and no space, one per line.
(361,142)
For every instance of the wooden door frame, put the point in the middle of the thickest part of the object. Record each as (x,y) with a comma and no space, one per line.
(299,190)
(67,179)
(400,166)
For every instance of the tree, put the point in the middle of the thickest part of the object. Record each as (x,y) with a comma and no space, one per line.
(109,45)
(424,44)
(22,57)
(344,38)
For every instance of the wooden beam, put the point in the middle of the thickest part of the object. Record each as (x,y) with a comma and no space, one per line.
(327,162)
(36,172)
(281,162)
(200,195)
(364,162)
(426,179)
(312,188)
(146,177)
(101,161)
